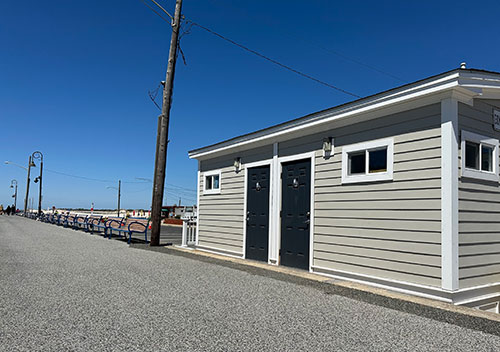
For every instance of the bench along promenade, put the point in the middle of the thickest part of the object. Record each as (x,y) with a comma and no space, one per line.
(129,228)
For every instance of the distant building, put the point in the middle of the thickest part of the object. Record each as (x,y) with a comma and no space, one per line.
(172,211)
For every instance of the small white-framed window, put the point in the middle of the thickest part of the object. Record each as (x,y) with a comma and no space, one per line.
(368,162)
(212,182)
(479,156)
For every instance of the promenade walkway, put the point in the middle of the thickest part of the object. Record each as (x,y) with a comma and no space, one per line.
(63,290)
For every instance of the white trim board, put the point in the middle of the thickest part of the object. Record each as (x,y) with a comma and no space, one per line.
(466,297)
(303,156)
(449,194)
(198,189)
(479,174)
(367,147)
(267,162)
(206,174)
(275,207)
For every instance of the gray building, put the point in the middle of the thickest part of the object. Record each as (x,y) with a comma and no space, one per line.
(398,190)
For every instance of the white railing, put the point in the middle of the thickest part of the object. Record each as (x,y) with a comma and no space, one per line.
(188,231)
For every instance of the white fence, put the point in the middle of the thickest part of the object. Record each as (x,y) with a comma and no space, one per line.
(188,231)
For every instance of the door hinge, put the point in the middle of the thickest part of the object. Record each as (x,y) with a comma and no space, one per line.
(281,213)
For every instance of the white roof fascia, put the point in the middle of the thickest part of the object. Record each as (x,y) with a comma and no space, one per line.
(464,92)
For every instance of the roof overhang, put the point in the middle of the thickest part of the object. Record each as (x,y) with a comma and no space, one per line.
(461,84)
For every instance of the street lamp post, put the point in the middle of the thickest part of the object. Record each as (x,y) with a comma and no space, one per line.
(30,164)
(119,194)
(12,183)
(39,155)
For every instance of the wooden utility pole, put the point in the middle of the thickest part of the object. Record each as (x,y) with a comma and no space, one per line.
(162,136)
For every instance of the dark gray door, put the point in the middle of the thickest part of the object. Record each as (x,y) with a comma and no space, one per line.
(295,213)
(258,213)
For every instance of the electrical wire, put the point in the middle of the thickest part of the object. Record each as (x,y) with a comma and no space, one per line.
(305,75)
(91,178)
(311,43)
(184,188)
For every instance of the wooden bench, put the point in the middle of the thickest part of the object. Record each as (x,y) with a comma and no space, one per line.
(129,227)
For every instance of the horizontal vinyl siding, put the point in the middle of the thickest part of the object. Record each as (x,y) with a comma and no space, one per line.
(389,229)
(221,217)
(479,208)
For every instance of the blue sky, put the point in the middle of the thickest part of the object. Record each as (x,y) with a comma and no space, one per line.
(74,78)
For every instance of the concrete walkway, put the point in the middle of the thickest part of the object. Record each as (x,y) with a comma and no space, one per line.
(67,290)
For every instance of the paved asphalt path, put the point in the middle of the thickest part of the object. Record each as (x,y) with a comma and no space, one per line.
(65,290)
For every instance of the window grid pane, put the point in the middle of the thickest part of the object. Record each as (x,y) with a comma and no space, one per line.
(377,160)
(216,181)
(472,155)
(486,158)
(208,182)
(357,163)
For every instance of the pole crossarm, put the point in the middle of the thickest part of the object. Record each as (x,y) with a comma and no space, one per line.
(161,8)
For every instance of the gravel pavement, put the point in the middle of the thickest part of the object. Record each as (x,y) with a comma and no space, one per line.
(65,290)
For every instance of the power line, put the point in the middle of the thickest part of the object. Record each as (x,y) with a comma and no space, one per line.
(286,67)
(184,188)
(90,178)
(80,177)
(273,61)
(315,44)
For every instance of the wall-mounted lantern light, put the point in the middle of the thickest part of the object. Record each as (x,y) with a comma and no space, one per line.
(327,147)
(237,164)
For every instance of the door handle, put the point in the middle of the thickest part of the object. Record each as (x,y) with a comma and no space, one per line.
(308,220)
(248,216)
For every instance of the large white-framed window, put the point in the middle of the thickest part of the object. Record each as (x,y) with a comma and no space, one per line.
(212,182)
(368,161)
(479,156)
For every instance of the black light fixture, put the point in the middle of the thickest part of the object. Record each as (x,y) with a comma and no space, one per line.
(237,164)
(327,147)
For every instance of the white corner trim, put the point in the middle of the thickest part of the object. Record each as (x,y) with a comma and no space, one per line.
(198,187)
(245,195)
(275,207)
(480,174)
(311,211)
(212,173)
(367,177)
(449,194)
